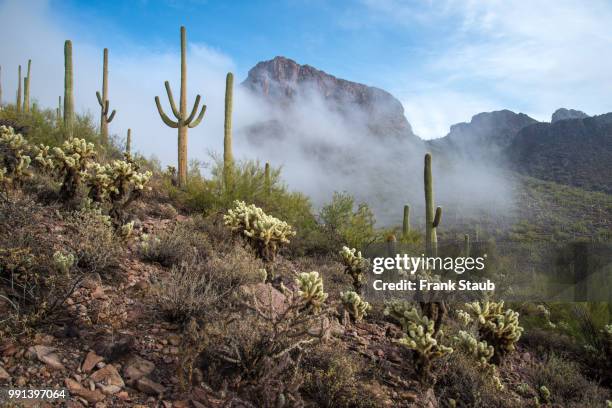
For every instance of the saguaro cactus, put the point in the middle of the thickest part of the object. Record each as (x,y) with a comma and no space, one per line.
(26,89)
(68,91)
(466,245)
(267,180)
(183,121)
(431,220)
(228,157)
(19,90)
(58,111)
(105,118)
(406,223)
(128,142)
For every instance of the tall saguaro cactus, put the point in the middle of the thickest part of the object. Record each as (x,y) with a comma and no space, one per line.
(406,221)
(228,157)
(183,122)
(58,111)
(105,118)
(432,220)
(466,245)
(26,89)
(267,180)
(68,91)
(19,90)
(128,142)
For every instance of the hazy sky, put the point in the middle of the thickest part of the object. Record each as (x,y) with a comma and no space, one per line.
(445,60)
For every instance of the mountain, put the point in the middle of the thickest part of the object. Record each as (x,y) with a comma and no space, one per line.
(284,83)
(575,152)
(565,114)
(487,133)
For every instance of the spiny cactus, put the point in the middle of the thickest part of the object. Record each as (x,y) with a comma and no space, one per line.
(63,262)
(354,305)
(228,157)
(72,159)
(406,221)
(26,89)
(310,289)
(128,142)
(68,91)
(431,220)
(103,101)
(420,335)
(267,180)
(183,121)
(479,350)
(16,156)
(497,326)
(264,232)
(354,265)
(464,317)
(19,89)
(58,112)
(466,245)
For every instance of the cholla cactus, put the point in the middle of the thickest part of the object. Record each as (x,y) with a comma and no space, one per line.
(15,151)
(420,335)
(72,159)
(480,350)
(464,317)
(354,305)
(42,157)
(265,232)
(310,286)
(355,266)
(544,393)
(497,326)
(63,262)
(126,230)
(543,310)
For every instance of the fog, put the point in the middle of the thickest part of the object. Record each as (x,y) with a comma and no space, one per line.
(322,148)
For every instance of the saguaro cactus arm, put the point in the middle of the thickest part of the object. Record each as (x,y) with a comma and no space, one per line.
(176,112)
(105,108)
(199,118)
(196,104)
(437,217)
(164,117)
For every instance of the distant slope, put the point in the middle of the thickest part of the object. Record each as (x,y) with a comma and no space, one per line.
(575,152)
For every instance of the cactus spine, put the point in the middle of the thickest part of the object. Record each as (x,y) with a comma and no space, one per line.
(26,89)
(228,157)
(406,223)
(183,121)
(128,142)
(19,90)
(68,91)
(267,180)
(103,101)
(432,220)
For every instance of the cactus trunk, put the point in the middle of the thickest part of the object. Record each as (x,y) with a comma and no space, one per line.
(183,121)
(228,157)
(406,222)
(267,180)
(19,90)
(128,142)
(68,91)
(58,111)
(103,101)
(432,219)
(466,245)
(26,89)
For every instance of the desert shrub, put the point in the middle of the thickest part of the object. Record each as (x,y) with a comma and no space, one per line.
(265,233)
(332,379)
(92,240)
(468,385)
(355,266)
(258,352)
(419,335)
(237,265)
(353,224)
(567,386)
(35,277)
(172,246)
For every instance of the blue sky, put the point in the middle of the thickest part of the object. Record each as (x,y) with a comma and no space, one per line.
(445,60)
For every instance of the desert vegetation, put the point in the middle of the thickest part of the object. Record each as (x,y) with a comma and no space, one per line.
(133,285)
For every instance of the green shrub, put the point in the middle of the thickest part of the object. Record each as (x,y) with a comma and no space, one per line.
(353,224)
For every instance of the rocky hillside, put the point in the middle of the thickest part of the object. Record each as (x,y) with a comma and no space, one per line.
(283,82)
(565,114)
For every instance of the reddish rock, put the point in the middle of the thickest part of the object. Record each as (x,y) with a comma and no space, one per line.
(77,389)
(136,368)
(4,376)
(90,361)
(47,355)
(108,379)
(149,386)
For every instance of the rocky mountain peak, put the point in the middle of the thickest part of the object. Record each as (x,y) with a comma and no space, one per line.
(565,114)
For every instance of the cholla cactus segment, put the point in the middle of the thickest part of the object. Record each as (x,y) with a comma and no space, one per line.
(264,231)
(403,312)
(356,307)
(126,230)
(114,180)
(544,393)
(75,154)
(497,326)
(63,262)
(310,286)
(464,317)
(355,266)
(420,336)
(15,151)
(480,350)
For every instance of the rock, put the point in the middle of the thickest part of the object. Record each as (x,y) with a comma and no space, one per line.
(9,350)
(21,381)
(46,355)
(4,376)
(112,350)
(92,281)
(90,361)
(136,368)
(197,404)
(98,293)
(149,386)
(267,296)
(108,379)
(77,389)
(430,399)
